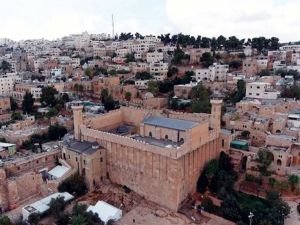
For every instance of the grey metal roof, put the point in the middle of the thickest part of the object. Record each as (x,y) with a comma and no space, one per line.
(174,124)
(82,147)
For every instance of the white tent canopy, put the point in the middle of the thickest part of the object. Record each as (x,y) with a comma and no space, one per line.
(106,211)
(42,205)
(58,171)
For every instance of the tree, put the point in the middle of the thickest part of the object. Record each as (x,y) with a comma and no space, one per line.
(52,112)
(57,206)
(207,205)
(128,96)
(293,181)
(130,57)
(27,104)
(153,87)
(13,104)
(55,132)
(62,219)
(230,209)
(240,93)
(34,218)
(109,103)
(265,158)
(74,185)
(104,95)
(16,116)
(202,183)
(143,76)
(4,220)
(88,72)
(207,59)
(200,97)
(5,66)
(48,96)
(79,220)
(245,133)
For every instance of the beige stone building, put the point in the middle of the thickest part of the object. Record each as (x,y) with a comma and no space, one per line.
(5,114)
(156,153)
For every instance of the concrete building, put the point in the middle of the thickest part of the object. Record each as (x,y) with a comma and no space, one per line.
(261,90)
(215,72)
(155,154)
(159,70)
(155,57)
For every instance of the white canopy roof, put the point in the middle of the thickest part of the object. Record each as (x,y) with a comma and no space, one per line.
(59,171)
(106,211)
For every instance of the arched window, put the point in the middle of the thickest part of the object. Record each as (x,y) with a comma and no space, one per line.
(278,162)
(278,131)
(150,134)
(166,137)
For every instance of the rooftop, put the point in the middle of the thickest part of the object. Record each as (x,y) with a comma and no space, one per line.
(174,124)
(82,147)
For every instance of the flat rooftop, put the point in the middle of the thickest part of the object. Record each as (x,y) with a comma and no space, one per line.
(174,124)
(158,142)
(82,146)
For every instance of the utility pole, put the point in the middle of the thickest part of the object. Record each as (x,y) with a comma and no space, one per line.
(113,26)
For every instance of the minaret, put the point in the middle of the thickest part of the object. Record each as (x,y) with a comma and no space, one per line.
(215,117)
(113,26)
(77,117)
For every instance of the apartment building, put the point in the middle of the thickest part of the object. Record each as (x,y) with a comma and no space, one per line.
(7,83)
(215,72)
(159,70)
(261,90)
(155,57)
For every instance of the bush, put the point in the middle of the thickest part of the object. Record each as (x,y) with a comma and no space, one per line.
(208,205)
(74,185)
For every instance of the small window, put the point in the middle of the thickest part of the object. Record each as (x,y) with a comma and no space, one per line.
(150,134)
(223,142)
(101,159)
(166,137)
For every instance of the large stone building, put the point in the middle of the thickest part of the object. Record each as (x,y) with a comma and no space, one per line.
(158,154)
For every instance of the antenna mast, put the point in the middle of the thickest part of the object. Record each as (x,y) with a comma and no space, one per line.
(113,26)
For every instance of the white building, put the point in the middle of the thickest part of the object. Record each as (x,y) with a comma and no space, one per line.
(122,52)
(141,84)
(36,92)
(159,70)
(42,205)
(56,71)
(295,48)
(154,57)
(294,120)
(261,90)
(7,83)
(215,72)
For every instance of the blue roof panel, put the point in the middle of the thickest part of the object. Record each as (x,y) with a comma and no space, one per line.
(174,124)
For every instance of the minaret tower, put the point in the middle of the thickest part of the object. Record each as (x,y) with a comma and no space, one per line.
(78,120)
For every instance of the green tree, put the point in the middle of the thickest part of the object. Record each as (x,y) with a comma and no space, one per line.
(202,183)
(13,104)
(79,220)
(104,95)
(143,75)
(89,72)
(62,219)
(230,209)
(130,57)
(200,97)
(55,132)
(110,103)
(16,116)
(4,220)
(265,158)
(57,206)
(208,205)
(27,104)
(240,93)
(207,59)
(153,87)
(74,184)
(48,96)
(128,96)
(34,218)
(5,66)
(293,181)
